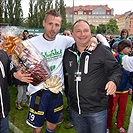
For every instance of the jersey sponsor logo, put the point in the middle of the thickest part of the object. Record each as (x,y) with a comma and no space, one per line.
(52,55)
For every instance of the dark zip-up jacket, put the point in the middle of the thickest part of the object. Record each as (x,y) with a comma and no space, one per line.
(97,68)
(5,80)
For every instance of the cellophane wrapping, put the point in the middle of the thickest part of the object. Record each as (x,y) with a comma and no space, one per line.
(23,54)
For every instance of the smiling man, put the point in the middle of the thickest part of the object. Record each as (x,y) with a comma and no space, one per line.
(92,76)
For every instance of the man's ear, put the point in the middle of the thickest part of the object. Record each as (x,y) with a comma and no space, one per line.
(43,23)
(72,34)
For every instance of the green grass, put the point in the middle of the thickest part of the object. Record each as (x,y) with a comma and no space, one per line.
(18,118)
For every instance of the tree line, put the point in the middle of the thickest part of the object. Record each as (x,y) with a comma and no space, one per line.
(11,12)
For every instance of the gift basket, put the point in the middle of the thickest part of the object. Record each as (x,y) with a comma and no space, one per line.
(24,54)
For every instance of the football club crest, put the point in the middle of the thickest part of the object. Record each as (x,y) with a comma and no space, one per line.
(70,63)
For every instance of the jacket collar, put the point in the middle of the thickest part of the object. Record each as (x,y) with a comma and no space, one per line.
(74,49)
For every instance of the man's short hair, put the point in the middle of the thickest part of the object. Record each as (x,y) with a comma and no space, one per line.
(80,20)
(26,31)
(53,12)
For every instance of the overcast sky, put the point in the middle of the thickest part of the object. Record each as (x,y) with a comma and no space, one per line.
(119,6)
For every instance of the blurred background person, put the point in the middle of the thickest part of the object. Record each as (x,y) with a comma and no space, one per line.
(123,35)
(30,36)
(67,32)
(25,35)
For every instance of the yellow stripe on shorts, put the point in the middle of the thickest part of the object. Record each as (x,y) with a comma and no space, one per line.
(36,112)
(58,109)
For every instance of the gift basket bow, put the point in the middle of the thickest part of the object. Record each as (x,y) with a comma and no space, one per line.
(24,54)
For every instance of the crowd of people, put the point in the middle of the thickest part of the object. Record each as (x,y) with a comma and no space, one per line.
(94,72)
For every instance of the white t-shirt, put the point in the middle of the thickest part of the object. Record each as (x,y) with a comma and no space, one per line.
(53,52)
(131,117)
(127,62)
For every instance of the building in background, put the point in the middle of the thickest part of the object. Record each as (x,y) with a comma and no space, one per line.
(123,22)
(100,14)
(94,14)
(129,23)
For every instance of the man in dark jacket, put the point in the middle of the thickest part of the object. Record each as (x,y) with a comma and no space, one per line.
(92,76)
(5,80)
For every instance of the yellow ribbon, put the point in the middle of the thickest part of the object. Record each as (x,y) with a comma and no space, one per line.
(10,43)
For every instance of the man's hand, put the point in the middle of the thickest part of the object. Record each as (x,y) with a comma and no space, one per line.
(24,77)
(130,91)
(93,44)
(111,88)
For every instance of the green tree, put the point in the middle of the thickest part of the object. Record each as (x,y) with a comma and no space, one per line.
(18,13)
(10,7)
(68,26)
(56,4)
(35,19)
(109,28)
(93,29)
(1,10)
(101,29)
(112,27)
(62,9)
(37,12)
(5,12)
(12,12)
(31,14)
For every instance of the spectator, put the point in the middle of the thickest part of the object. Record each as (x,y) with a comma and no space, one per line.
(25,35)
(30,36)
(67,33)
(115,47)
(5,80)
(130,127)
(112,40)
(127,62)
(108,38)
(121,95)
(21,96)
(123,35)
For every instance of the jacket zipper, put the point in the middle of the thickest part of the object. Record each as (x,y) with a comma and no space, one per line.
(77,82)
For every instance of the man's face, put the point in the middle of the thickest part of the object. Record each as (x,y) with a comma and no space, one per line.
(81,33)
(25,34)
(52,26)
